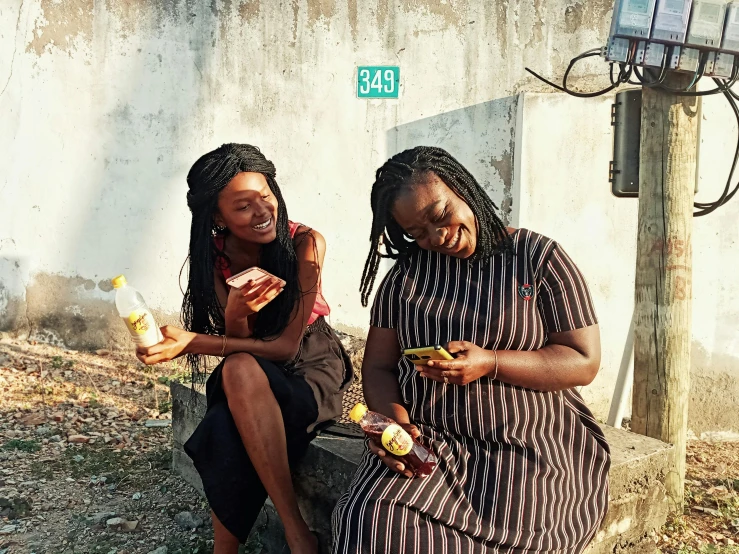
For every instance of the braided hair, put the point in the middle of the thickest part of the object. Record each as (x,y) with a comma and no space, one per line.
(412,167)
(201,310)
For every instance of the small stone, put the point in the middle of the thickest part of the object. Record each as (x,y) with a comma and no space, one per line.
(129,526)
(100,517)
(102,352)
(115,522)
(78,458)
(160,550)
(728,541)
(186,520)
(79,439)
(55,438)
(8,529)
(136,496)
(58,417)
(33,419)
(158,422)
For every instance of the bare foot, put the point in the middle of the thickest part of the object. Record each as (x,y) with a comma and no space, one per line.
(306,544)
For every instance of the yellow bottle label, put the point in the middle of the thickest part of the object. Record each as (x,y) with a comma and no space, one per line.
(396,440)
(139,322)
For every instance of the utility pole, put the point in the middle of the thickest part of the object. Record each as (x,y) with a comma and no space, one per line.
(669,139)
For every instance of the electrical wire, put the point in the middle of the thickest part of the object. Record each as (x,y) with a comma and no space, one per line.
(628,68)
(660,79)
(705,208)
(577,94)
(699,71)
(721,86)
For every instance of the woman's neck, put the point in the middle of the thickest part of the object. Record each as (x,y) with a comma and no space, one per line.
(243,254)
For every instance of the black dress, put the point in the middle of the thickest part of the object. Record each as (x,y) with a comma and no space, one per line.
(520,470)
(309,391)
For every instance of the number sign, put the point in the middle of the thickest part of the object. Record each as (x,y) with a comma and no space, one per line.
(378,81)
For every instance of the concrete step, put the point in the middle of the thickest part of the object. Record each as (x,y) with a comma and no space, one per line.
(637,508)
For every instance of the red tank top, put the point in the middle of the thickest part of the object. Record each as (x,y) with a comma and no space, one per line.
(320,308)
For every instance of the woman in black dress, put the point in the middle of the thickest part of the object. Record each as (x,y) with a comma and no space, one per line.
(283,371)
(523,465)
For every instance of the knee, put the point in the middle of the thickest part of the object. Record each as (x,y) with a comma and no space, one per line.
(242,374)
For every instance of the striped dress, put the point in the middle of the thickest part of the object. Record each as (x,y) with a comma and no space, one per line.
(519,470)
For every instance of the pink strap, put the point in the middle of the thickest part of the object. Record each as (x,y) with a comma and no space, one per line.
(320,308)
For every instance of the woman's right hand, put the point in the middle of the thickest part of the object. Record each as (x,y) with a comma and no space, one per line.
(393,463)
(249,299)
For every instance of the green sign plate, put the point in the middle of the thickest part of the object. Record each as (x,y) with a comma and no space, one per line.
(378,81)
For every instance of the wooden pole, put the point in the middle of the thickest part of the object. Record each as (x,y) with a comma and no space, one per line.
(669,139)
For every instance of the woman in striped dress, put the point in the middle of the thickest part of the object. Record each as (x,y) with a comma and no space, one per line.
(523,465)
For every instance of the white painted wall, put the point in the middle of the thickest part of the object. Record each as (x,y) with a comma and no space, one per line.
(105,105)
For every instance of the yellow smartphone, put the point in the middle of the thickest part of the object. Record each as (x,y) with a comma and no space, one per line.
(421,356)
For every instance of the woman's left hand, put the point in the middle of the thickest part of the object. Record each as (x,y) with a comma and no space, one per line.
(470,363)
(174,344)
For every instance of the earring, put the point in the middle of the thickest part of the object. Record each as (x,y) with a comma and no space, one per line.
(218,229)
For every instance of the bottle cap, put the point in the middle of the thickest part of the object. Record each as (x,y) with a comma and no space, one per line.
(118,282)
(357,412)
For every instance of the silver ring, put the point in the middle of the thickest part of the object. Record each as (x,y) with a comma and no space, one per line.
(446,380)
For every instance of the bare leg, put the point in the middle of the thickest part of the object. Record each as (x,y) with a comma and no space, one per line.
(226,543)
(259,420)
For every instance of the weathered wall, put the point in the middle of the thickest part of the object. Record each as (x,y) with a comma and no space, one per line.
(104,105)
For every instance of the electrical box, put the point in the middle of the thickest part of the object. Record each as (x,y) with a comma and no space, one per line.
(618,50)
(719,64)
(673,58)
(689,60)
(731,30)
(632,18)
(671,21)
(655,55)
(706,23)
(626,121)
(640,53)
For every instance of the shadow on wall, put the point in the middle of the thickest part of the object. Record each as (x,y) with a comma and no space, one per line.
(482,137)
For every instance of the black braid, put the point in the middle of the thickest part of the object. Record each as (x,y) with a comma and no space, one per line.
(387,238)
(201,311)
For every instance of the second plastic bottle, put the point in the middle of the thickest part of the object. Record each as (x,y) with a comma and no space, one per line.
(386,433)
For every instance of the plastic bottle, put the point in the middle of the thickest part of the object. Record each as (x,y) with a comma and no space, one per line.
(135,314)
(386,433)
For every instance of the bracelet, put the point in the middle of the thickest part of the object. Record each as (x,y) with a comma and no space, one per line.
(223,347)
(496,365)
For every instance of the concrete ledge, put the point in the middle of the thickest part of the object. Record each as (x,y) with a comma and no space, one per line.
(638,504)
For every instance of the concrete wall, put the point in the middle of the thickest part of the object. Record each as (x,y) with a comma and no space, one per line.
(104,105)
